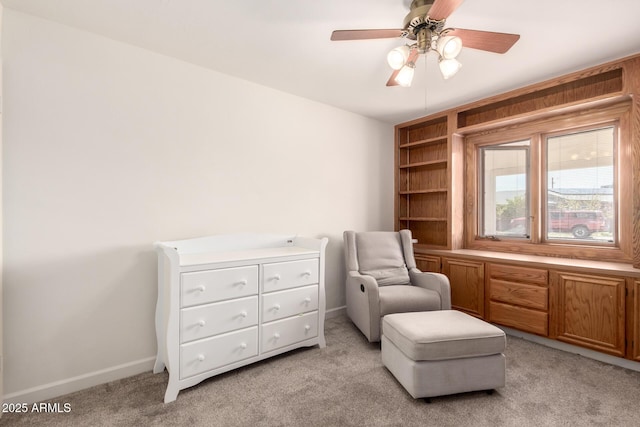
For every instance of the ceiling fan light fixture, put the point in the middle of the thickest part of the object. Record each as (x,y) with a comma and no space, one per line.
(449,46)
(449,67)
(397,57)
(405,76)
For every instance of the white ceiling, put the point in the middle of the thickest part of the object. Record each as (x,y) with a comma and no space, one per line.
(284,44)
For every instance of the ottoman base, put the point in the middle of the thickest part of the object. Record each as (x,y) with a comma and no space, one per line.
(428,378)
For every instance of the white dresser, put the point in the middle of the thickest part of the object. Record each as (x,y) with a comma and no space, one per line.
(229,300)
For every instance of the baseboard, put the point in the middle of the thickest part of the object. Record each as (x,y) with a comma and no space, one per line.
(559,345)
(70,385)
(335,312)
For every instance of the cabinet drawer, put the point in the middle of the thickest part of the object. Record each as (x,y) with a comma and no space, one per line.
(531,296)
(534,276)
(284,275)
(202,287)
(278,305)
(282,333)
(211,353)
(217,318)
(521,318)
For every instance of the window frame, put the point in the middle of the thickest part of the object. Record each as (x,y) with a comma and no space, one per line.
(536,131)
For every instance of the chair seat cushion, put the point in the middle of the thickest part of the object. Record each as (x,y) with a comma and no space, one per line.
(403,298)
(441,335)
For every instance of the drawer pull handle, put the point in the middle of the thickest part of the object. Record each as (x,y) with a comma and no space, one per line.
(201,288)
(276,335)
(307,327)
(242,283)
(243,314)
(202,323)
(307,300)
(201,357)
(276,277)
(243,345)
(306,273)
(276,307)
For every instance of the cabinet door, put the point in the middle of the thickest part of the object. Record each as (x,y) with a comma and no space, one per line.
(590,311)
(428,263)
(634,315)
(467,285)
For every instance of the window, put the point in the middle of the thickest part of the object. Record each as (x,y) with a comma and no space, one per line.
(505,189)
(555,187)
(579,186)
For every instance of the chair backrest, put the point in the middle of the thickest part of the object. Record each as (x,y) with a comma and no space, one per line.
(385,255)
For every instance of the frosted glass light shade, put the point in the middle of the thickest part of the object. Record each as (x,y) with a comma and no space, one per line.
(405,76)
(449,67)
(449,46)
(397,57)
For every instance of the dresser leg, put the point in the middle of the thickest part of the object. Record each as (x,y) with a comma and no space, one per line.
(158,366)
(172,392)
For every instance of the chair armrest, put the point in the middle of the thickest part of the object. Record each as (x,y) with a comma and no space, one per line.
(363,304)
(435,282)
(364,284)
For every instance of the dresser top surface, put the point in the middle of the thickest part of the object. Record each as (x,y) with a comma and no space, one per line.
(202,258)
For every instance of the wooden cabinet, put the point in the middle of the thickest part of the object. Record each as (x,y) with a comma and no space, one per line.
(467,285)
(422,181)
(230,300)
(428,263)
(518,297)
(589,311)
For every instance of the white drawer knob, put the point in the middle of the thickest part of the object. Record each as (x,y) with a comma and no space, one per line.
(306,273)
(201,288)
(307,327)
(307,300)
(276,277)
(201,357)
(243,345)
(243,314)
(202,323)
(276,335)
(242,282)
(276,307)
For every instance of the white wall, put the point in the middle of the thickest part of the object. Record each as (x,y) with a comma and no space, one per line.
(109,148)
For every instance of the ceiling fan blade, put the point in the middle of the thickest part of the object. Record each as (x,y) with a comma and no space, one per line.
(392,79)
(441,9)
(365,34)
(413,57)
(485,40)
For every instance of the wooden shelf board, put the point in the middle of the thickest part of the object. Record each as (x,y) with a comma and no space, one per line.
(434,190)
(421,142)
(419,164)
(422,218)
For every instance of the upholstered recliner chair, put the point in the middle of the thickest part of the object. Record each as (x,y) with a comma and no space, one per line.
(382,278)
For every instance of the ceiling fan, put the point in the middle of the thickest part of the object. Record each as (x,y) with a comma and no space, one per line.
(425,24)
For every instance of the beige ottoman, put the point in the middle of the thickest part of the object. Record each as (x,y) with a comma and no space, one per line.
(434,353)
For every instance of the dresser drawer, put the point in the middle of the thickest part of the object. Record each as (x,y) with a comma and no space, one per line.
(278,305)
(202,287)
(217,318)
(521,318)
(282,333)
(512,273)
(284,275)
(211,353)
(531,296)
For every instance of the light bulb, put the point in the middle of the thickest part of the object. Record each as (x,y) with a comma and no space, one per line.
(405,76)
(449,46)
(397,57)
(449,67)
